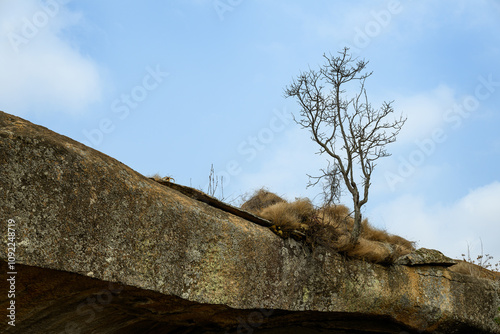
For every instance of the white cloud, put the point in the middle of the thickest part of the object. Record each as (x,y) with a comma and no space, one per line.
(450,228)
(425,112)
(39,68)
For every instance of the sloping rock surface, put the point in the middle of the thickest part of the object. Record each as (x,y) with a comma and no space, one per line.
(103,249)
(426,257)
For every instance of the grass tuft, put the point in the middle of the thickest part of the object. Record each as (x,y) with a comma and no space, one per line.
(261,199)
(329,226)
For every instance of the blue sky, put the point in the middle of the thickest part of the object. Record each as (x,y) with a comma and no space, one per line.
(173,87)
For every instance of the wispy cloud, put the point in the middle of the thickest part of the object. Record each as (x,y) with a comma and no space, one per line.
(449,228)
(40,69)
(425,111)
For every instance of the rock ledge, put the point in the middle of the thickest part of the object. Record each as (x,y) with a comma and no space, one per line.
(147,258)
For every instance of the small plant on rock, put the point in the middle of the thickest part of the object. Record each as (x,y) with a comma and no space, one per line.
(482,260)
(214,182)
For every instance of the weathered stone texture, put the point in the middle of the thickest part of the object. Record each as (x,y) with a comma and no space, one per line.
(426,257)
(80,211)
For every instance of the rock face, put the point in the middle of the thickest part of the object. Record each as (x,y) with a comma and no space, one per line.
(101,248)
(426,257)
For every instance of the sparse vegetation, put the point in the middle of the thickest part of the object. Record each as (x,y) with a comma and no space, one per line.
(474,270)
(481,266)
(329,226)
(260,200)
(214,183)
(158,177)
(482,260)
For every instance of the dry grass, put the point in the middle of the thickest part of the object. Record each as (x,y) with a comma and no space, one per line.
(467,268)
(156,177)
(372,251)
(290,216)
(280,215)
(371,233)
(261,199)
(329,226)
(337,216)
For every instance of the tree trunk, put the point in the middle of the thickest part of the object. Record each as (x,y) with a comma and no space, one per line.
(356,229)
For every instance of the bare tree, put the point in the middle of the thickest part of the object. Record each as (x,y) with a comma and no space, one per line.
(347,129)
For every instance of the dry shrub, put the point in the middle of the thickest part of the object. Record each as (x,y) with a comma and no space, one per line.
(337,216)
(336,211)
(374,245)
(325,235)
(274,208)
(261,199)
(329,226)
(406,245)
(371,233)
(290,216)
(400,250)
(157,177)
(280,214)
(372,251)
(303,208)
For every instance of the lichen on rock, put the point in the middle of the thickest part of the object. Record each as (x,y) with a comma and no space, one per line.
(426,257)
(85,220)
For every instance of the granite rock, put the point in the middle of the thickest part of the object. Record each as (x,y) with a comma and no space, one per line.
(86,223)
